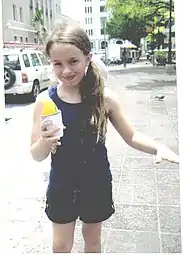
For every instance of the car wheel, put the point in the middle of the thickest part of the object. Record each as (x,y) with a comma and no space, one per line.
(35,91)
(9,77)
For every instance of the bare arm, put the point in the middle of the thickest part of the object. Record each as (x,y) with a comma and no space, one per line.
(41,146)
(124,127)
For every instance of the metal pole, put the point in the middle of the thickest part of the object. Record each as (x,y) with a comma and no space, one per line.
(105,41)
(2,97)
(170,35)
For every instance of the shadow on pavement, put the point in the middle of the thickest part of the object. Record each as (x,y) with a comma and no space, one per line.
(151,85)
(141,69)
(17,100)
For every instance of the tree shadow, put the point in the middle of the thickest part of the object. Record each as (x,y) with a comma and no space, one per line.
(139,69)
(151,85)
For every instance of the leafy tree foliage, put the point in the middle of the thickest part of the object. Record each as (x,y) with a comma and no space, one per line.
(133,19)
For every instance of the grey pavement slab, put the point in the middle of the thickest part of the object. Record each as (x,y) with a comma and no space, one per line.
(146,196)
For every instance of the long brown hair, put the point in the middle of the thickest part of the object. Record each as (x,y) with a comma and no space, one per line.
(92,84)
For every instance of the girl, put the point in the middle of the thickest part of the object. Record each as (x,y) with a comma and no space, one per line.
(80,178)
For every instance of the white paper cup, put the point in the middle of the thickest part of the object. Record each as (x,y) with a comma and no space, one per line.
(57,122)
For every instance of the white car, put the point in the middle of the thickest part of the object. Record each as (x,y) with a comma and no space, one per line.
(26,71)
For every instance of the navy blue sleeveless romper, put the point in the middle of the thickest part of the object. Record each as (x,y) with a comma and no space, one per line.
(80,183)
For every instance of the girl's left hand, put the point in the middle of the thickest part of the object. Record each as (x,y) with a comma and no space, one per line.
(164,153)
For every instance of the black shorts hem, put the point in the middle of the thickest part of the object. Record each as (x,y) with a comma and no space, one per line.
(99,219)
(58,220)
(50,213)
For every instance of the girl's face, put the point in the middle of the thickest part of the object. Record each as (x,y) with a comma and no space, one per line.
(69,63)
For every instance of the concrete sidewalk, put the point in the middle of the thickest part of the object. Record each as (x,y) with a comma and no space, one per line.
(147,218)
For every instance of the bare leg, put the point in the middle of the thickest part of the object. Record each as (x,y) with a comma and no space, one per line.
(92,237)
(63,237)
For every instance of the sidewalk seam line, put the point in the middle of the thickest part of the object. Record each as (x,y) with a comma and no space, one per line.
(117,193)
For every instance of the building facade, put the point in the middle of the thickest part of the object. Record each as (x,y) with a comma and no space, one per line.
(92,16)
(95,17)
(18,18)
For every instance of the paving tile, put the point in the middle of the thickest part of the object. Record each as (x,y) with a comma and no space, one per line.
(169,195)
(171,243)
(25,210)
(136,177)
(135,217)
(115,162)
(116,174)
(165,177)
(16,230)
(167,165)
(170,219)
(115,190)
(132,242)
(137,194)
(115,150)
(38,241)
(132,152)
(140,163)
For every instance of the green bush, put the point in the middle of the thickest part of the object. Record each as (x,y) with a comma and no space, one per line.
(161,57)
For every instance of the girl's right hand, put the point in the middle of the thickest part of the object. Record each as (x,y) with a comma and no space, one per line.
(47,133)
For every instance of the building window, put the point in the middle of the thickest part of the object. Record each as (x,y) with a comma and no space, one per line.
(42,8)
(119,42)
(102,31)
(89,32)
(21,14)
(26,39)
(35,40)
(102,21)
(14,12)
(37,4)
(102,8)
(21,38)
(31,4)
(15,38)
(88,9)
(104,44)
(59,9)
(88,20)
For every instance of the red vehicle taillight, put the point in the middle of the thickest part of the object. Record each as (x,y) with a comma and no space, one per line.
(24,78)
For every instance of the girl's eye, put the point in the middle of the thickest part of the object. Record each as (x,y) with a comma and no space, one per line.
(58,64)
(74,61)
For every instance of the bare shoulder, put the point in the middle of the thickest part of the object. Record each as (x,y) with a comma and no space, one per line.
(111,99)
